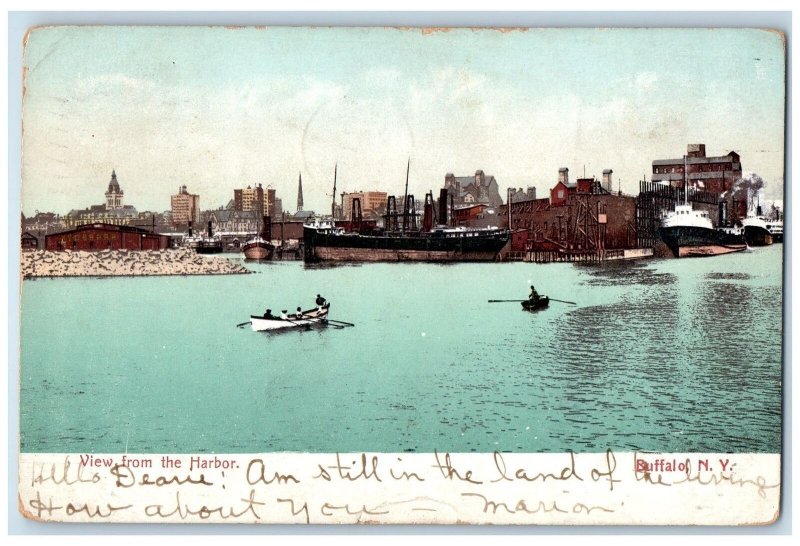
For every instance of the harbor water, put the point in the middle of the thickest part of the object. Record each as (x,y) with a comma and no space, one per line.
(658,355)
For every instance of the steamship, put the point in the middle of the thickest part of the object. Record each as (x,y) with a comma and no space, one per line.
(756,232)
(441,244)
(689,232)
(431,242)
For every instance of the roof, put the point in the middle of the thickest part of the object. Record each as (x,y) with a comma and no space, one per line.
(226,215)
(100,210)
(304,214)
(696,160)
(105,227)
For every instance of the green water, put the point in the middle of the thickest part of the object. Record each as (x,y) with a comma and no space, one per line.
(660,355)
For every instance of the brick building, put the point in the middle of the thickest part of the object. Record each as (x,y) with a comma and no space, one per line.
(94,237)
(185,208)
(578,216)
(716,174)
(373,203)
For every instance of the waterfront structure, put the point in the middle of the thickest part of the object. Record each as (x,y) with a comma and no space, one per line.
(114,211)
(580,216)
(518,194)
(185,207)
(373,203)
(29,241)
(468,190)
(468,215)
(715,174)
(102,236)
(42,223)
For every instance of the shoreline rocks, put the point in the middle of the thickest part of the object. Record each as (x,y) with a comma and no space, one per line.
(117,263)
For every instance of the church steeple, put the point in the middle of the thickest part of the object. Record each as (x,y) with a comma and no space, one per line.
(300,193)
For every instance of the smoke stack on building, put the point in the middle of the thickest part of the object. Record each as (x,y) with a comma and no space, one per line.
(563,175)
(607,182)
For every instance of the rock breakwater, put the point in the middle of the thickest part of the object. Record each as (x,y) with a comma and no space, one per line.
(109,263)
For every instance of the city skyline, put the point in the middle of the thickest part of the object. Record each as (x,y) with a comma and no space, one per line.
(216,109)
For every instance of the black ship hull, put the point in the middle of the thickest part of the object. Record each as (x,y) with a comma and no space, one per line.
(208,247)
(437,246)
(757,236)
(692,241)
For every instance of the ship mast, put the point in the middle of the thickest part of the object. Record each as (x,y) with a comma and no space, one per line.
(405,198)
(685,184)
(333,197)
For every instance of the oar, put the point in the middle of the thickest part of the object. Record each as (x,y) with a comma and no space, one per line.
(562,301)
(324,321)
(243,324)
(506,301)
(341,322)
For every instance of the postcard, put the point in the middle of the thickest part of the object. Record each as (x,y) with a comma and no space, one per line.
(302,275)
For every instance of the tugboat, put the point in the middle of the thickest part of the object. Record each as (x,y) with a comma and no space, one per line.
(260,247)
(204,245)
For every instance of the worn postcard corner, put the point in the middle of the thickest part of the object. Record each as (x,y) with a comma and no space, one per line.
(355,275)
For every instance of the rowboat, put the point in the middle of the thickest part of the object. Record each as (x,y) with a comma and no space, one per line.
(531,305)
(312,317)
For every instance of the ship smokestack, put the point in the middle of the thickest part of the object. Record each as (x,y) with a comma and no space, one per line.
(443,206)
(210,231)
(190,228)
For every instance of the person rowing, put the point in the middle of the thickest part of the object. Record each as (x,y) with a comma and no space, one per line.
(299,313)
(320,302)
(268,314)
(534,295)
(284,316)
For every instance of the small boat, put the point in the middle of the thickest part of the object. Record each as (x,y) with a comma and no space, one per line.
(531,305)
(309,318)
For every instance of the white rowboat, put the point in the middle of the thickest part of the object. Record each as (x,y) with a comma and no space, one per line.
(309,318)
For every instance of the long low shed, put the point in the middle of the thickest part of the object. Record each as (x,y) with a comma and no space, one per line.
(94,237)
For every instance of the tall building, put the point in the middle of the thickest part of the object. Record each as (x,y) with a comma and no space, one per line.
(716,174)
(271,202)
(185,208)
(372,202)
(249,199)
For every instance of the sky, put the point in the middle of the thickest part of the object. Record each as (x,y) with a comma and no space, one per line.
(217,108)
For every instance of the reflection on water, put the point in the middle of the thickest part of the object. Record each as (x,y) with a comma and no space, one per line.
(659,355)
